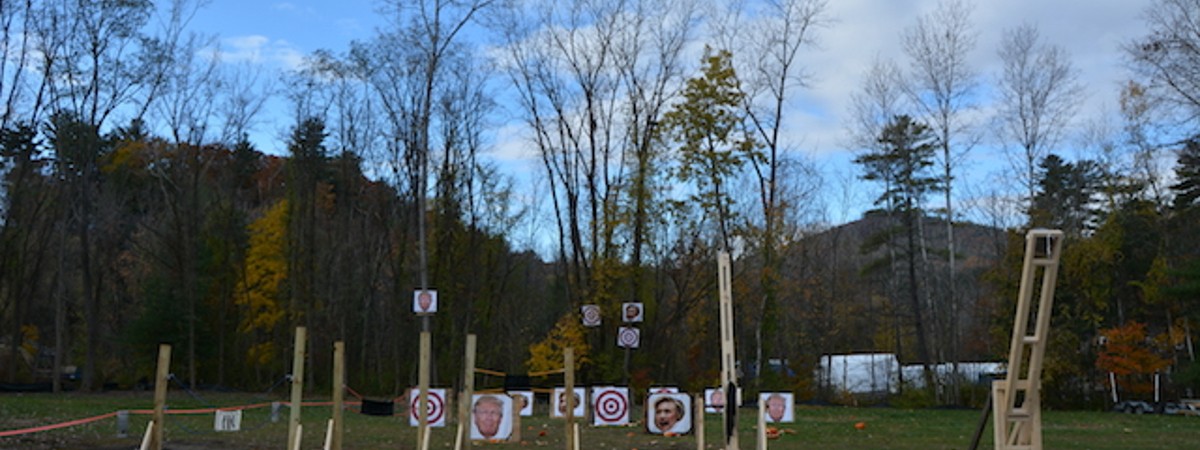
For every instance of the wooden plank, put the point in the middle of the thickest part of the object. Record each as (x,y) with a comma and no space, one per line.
(161,380)
(337,424)
(297,388)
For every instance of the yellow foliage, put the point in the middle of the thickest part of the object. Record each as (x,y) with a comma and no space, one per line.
(548,354)
(261,354)
(265,270)
(29,338)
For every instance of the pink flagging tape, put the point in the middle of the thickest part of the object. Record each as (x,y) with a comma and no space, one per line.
(151,411)
(57,425)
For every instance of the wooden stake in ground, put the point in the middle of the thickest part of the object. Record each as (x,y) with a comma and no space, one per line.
(297,388)
(569,394)
(339,390)
(160,395)
(464,402)
(423,389)
(698,422)
(728,360)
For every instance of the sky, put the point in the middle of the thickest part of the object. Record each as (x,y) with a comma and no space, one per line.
(277,34)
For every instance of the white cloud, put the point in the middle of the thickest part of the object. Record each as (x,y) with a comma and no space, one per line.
(259,50)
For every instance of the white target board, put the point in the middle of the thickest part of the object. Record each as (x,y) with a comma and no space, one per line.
(610,406)
(715,400)
(524,399)
(425,301)
(629,337)
(491,418)
(559,403)
(435,407)
(632,312)
(591,315)
(227,420)
(669,413)
(778,406)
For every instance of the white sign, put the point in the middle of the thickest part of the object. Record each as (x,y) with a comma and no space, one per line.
(778,406)
(561,401)
(629,337)
(435,407)
(669,413)
(591,315)
(491,417)
(228,421)
(610,406)
(524,400)
(425,302)
(632,312)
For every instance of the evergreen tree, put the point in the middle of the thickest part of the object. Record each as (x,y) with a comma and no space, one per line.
(903,163)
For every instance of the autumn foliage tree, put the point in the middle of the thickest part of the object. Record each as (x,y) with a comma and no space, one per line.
(1129,354)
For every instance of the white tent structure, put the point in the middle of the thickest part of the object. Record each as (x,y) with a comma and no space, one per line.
(864,373)
(879,373)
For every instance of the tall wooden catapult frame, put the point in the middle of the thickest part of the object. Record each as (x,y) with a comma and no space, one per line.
(1017,399)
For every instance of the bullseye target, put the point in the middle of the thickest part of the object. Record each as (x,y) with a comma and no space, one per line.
(591,315)
(629,337)
(611,406)
(435,407)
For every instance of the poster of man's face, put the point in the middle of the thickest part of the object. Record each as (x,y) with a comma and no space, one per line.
(778,406)
(524,401)
(631,312)
(669,413)
(491,417)
(559,403)
(715,400)
(425,301)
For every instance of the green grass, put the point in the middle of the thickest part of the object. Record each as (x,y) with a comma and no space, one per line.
(816,427)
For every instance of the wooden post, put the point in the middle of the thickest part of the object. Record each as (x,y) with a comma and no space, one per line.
(464,404)
(569,394)
(423,391)
(698,420)
(161,381)
(728,359)
(339,393)
(297,389)
(762,425)
(516,422)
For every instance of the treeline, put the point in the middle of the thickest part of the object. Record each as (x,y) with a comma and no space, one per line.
(137,211)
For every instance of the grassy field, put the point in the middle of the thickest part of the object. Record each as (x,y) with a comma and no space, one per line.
(815,427)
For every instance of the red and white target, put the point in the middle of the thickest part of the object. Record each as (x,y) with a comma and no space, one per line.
(435,407)
(610,406)
(591,315)
(629,337)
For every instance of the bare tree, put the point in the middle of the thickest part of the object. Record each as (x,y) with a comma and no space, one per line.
(1039,95)
(1167,58)
(768,47)
(941,85)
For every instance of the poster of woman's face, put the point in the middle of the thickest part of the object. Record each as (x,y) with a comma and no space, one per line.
(778,406)
(559,403)
(524,401)
(491,417)
(425,301)
(669,413)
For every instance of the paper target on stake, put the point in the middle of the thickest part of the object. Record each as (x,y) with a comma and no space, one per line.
(610,405)
(591,315)
(425,302)
(631,312)
(559,398)
(435,407)
(629,337)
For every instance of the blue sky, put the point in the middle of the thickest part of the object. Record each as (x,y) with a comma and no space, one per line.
(276,35)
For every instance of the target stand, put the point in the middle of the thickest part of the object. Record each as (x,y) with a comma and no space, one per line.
(1017,399)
